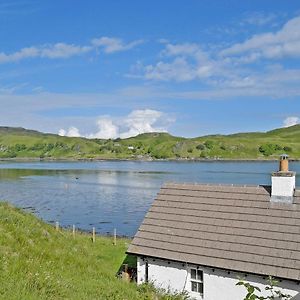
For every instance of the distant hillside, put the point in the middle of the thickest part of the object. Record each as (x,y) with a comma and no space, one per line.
(23,143)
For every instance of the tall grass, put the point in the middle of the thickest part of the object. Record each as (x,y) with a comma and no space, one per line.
(37,262)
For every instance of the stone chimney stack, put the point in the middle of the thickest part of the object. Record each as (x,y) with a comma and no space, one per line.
(283,182)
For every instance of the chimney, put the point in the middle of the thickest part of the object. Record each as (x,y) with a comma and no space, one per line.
(283,182)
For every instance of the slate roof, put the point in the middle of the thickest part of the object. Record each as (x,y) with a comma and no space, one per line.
(229,227)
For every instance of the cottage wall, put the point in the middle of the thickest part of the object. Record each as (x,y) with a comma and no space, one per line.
(218,284)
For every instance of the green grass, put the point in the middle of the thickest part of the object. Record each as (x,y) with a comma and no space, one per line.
(37,262)
(21,143)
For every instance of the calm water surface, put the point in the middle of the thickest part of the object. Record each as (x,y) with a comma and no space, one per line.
(113,194)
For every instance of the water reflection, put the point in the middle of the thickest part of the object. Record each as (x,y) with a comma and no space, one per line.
(111,195)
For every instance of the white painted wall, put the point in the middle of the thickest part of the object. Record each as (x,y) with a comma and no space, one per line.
(283,186)
(159,272)
(218,284)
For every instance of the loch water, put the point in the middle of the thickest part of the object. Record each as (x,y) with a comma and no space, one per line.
(114,194)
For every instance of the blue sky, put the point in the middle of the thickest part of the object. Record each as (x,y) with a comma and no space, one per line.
(119,68)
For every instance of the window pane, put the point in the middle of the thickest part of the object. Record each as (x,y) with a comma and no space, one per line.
(194,286)
(199,275)
(193,274)
(200,288)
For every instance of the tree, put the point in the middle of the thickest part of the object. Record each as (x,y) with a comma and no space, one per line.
(200,147)
(272,288)
(209,144)
(287,149)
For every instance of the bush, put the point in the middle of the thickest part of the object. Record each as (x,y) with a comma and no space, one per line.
(200,147)
(287,149)
(209,144)
(49,147)
(105,148)
(159,155)
(37,146)
(203,155)
(269,149)
(60,145)
(118,150)
(149,291)
(274,292)
(20,147)
(11,154)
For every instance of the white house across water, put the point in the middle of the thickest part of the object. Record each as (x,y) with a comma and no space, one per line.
(202,238)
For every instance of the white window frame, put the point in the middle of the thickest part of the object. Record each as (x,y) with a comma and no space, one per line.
(197,280)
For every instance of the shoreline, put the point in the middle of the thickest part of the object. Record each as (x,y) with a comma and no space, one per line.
(66,159)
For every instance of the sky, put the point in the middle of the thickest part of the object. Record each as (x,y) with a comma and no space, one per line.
(115,68)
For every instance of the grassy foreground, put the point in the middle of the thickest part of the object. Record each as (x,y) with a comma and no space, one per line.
(37,262)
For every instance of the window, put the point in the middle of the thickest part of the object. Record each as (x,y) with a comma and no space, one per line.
(146,271)
(197,281)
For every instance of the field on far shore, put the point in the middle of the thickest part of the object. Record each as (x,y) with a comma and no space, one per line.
(18,143)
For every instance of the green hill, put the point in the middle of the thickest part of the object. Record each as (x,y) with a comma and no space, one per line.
(37,262)
(22,143)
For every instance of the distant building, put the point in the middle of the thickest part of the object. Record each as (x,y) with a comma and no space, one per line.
(200,238)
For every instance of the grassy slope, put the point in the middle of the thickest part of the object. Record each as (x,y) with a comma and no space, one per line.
(32,144)
(36,262)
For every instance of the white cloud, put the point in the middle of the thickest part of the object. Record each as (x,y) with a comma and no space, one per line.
(106,129)
(163,41)
(230,72)
(12,88)
(283,43)
(19,55)
(111,45)
(190,62)
(181,49)
(291,121)
(137,122)
(71,132)
(219,80)
(59,50)
(178,70)
(63,50)
(62,132)
(187,50)
(258,18)
(143,121)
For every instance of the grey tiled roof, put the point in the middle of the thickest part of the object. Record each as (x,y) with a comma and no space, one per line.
(228,227)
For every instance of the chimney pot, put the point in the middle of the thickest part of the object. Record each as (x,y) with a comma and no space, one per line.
(284,163)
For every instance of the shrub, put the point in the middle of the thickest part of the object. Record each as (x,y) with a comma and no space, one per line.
(200,147)
(49,147)
(203,155)
(269,149)
(149,291)
(209,144)
(287,149)
(37,146)
(274,292)
(20,147)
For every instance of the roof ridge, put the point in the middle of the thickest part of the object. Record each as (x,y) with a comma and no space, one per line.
(217,184)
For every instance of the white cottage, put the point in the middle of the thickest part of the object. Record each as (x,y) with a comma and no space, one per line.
(201,238)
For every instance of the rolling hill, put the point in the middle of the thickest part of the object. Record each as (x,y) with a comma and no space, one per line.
(20,143)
